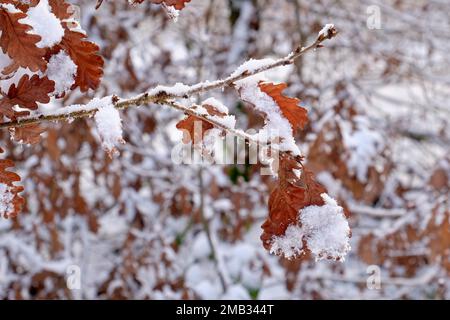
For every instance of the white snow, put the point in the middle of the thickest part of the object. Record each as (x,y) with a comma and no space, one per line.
(326,230)
(45,24)
(109,123)
(216,104)
(177,89)
(227,120)
(172,13)
(241,32)
(62,70)
(201,247)
(236,292)
(290,244)
(325,30)
(252,65)
(9,7)
(364,146)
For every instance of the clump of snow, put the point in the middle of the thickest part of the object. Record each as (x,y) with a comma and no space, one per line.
(45,24)
(61,69)
(172,13)
(109,123)
(325,30)
(326,230)
(9,7)
(290,244)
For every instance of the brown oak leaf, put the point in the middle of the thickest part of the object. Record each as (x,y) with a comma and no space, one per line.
(85,55)
(194,128)
(19,44)
(30,91)
(26,94)
(29,134)
(61,9)
(296,115)
(291,194)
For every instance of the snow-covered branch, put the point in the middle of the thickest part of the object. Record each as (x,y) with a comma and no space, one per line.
(166,94)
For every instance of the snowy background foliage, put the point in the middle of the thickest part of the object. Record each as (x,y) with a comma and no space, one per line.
(138,226)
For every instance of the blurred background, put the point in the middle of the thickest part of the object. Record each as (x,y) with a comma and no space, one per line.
(140,227)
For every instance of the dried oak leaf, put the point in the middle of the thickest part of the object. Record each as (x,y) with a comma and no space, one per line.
(29,134)
(19,44)
(61,9)
(292,193)
(194,128)
(26,94)
(85,55)
(30,91)
(10,201)
(296,115)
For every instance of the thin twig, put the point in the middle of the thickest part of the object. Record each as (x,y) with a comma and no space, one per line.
(207,229)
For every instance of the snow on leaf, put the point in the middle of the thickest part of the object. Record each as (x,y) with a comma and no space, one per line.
(296,115)
(45,24)
(290,244)
(303,218)
(326,230)
(322,230)
(109,124)
(62,70)
(276,123)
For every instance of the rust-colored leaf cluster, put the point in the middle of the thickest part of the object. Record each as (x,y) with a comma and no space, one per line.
(296,189)
(26,72)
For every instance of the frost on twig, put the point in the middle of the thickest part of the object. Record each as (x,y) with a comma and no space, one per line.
(109,124)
